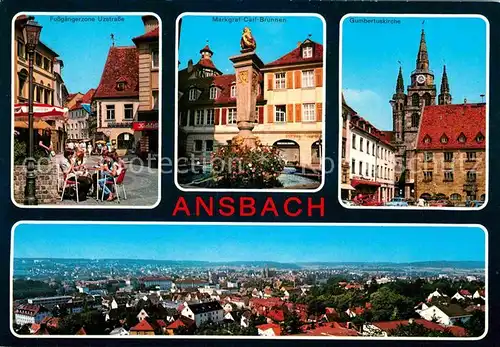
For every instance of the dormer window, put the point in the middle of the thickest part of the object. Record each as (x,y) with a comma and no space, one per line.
(427,139)
(233,91)
(307,52)
(444,139)
(462,138)
(213,93)
(192,94)
(479,138)
(120,86)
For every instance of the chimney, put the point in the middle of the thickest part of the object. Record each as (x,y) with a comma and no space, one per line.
(150,23)
(190,65)
(465,101)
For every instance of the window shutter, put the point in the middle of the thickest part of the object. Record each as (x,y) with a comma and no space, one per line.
(217,116)
(224,116)
(270,81)
(261,115)
(289,113)
(298,113)
(270,114)
(298,79)
(289,80)
(318,76)
(319,112)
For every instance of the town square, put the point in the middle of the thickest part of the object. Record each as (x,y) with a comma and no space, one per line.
(86,116)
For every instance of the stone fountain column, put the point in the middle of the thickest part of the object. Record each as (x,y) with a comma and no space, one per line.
(247,66)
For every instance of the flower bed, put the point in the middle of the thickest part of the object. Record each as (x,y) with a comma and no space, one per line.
(237,166)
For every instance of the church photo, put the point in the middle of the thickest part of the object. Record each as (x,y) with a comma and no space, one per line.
(414,111)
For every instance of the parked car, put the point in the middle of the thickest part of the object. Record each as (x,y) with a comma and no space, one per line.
(397,201)
(441,203)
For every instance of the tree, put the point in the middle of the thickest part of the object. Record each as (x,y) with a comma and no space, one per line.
(292,323)
(389,305)
(414,329)
(476,324)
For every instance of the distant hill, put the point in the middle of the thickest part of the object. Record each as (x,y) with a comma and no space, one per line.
(439,264)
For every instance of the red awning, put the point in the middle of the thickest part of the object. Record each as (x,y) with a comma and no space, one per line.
(43,111)
(357,182)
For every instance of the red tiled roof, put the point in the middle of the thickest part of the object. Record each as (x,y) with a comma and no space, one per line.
(122,63)
(161,323)
(86,99)
(143,325)
(276,328)
(276,315)
(333,329)
(295,56)
(176,324)
(27,309)
(52,322)
(81,332)
(151,35)
(464,292)
(392,325)
(452,121)
(362,124)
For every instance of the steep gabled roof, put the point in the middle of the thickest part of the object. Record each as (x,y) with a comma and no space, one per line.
(152,35)
(122,63)
(295,56)
(452,121)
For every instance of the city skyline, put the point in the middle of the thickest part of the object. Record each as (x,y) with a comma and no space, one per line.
(84,59)
(273,39)
(369,79)
(225,243)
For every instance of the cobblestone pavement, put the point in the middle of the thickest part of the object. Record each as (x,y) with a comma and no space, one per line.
(141,185)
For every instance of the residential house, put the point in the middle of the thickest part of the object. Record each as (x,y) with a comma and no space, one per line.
(203,312)
(181,322)
(50,301)
(435,294)
(269,329)
(163,283)
(120,331)
(30,314)
(372,159)
(479,294)
(448,314)
(142,328)
(142,315)
(77,127)
(331,329)
(345,171)
(245,319)
(117,98)
(146,122)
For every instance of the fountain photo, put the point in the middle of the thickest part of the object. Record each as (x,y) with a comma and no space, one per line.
(250,102)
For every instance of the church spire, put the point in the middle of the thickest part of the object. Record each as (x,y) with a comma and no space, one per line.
(422,57)
(400,87)
(445,96)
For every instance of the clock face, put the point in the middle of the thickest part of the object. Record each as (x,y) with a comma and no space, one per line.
(420,79)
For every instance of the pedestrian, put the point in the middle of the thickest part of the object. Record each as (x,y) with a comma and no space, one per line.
(71,146)
(90,149)
(46,143)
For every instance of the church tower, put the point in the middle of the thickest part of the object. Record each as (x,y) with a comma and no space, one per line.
(398,104)
(445,95)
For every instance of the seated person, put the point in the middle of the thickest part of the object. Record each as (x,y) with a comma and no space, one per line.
(68,168)
(108,173)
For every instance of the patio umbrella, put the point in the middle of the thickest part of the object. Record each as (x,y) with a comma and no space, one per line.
(37,124)
(40,111)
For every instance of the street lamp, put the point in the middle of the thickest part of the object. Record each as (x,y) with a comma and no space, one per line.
(31,38)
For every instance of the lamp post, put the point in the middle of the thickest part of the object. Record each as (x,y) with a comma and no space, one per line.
(31,37)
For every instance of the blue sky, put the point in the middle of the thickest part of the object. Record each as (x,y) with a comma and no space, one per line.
(273,39)
(371,52)
(256,242)
(84,46)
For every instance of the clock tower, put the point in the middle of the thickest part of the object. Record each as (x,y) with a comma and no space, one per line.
(407,111)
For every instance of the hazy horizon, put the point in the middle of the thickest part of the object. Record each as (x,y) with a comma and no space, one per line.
(278,243)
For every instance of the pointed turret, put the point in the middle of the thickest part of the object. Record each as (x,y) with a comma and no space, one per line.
(445,96)
(422,57)
(400,86)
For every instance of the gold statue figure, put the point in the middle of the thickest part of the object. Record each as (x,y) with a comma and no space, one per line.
(247,41)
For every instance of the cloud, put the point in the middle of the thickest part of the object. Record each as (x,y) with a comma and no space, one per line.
(371,106)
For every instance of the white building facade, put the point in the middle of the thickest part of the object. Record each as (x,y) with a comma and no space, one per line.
(30,314)
(372,161)
(203,312)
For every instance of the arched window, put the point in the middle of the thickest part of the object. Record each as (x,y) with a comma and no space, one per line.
(414,120)
(415,100)
(427,99)
(455,197)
